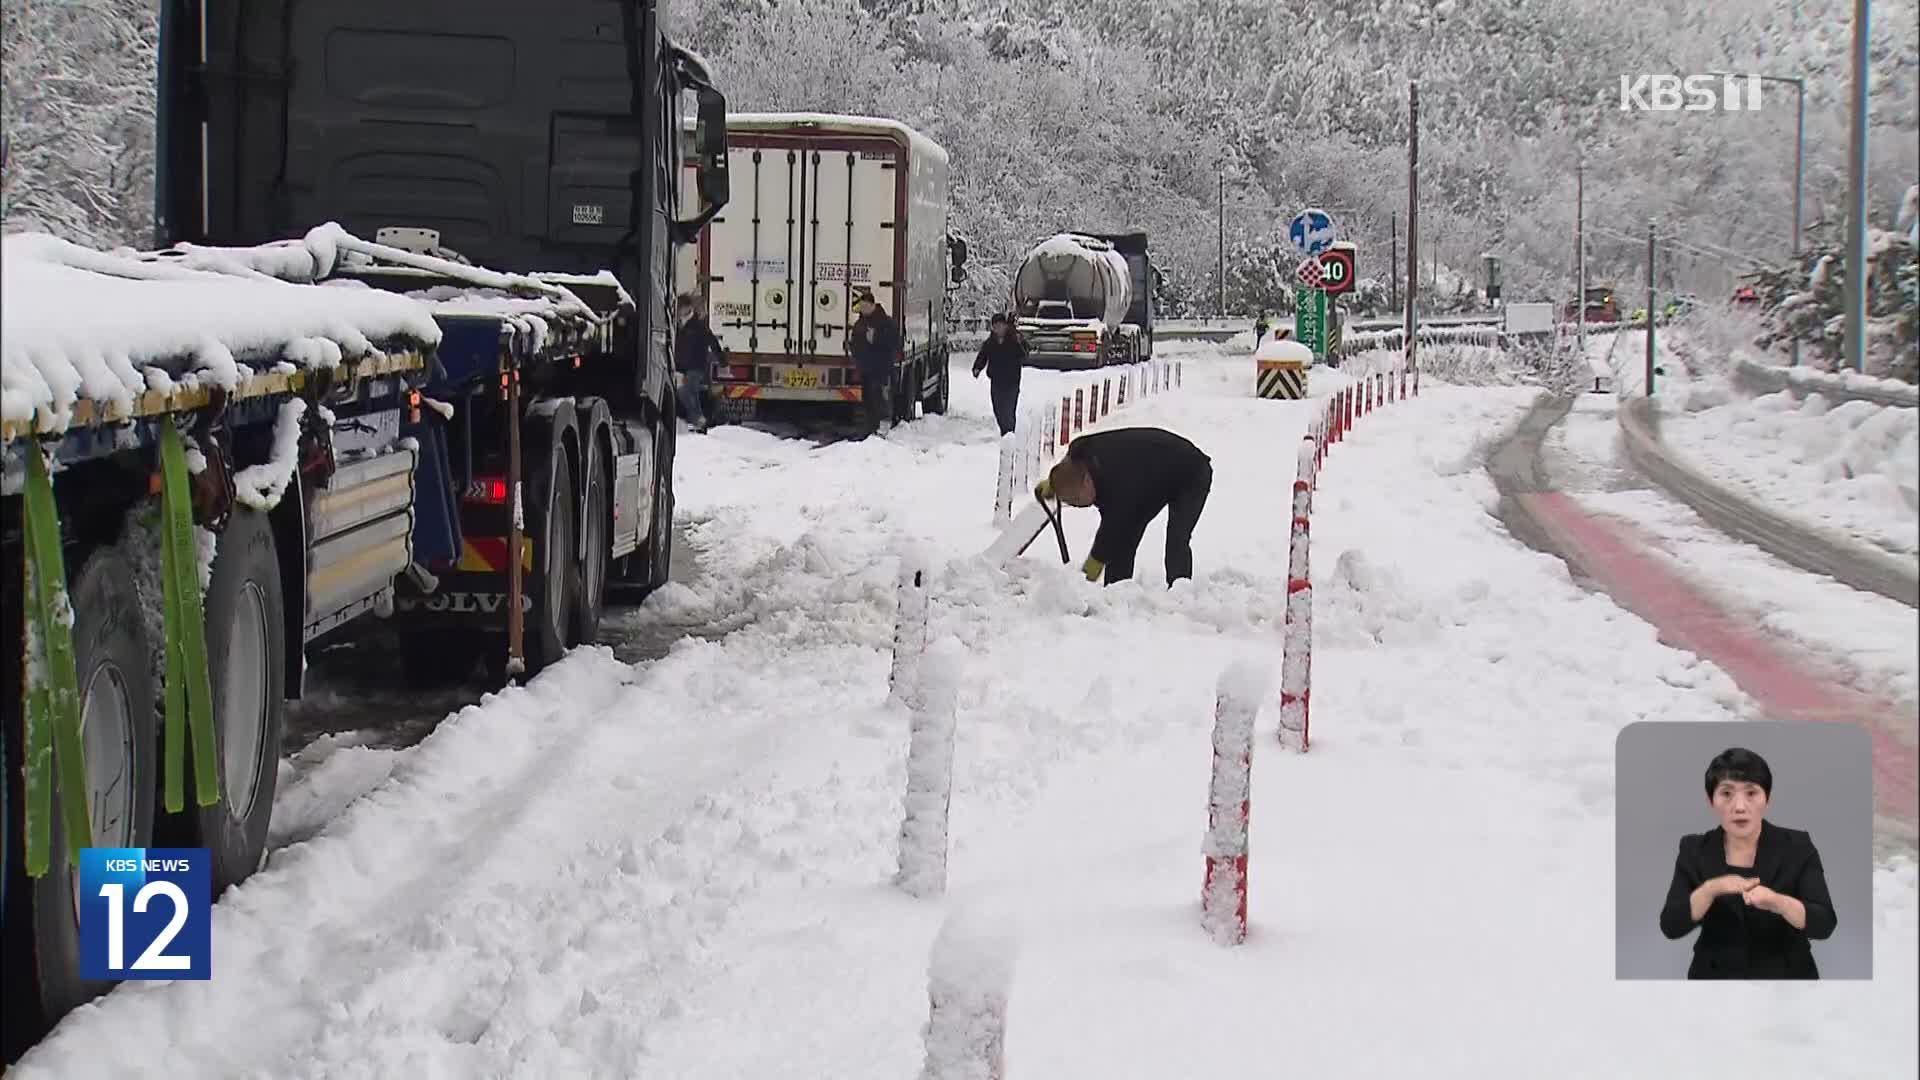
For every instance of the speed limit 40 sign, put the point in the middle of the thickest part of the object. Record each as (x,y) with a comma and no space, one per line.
(1336,269)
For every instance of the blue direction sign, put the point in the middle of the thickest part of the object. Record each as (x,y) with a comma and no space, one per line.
(1312,231)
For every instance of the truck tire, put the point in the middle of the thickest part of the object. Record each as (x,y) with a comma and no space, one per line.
(905,392)
(591,589)
(122,746)
(246,657)
(551,584)
(657,553)
(943,387)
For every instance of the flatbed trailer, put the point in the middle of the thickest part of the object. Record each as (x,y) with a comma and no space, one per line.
(216,456)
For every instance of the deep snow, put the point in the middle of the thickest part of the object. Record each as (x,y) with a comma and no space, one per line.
(681,869)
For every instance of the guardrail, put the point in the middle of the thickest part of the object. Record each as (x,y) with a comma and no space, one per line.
(1845,386)
(1805,546)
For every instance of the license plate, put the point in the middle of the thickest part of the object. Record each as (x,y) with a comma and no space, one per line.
(802,380)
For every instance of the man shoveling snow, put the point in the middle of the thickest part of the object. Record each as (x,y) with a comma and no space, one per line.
(1131,474)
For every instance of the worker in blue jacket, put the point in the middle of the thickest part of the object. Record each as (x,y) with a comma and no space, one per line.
(1130,475)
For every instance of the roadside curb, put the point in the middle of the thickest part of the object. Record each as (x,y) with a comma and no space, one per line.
(1805,546)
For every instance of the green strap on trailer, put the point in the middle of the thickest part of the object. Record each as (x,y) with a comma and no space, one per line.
(189,685)
(53,694)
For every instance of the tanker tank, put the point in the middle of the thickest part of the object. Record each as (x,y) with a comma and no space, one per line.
(1082,272)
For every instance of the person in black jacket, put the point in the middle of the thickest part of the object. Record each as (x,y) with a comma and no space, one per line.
(1131,474)
(875,340)
(1756,890)
(694,351)
(1002,356)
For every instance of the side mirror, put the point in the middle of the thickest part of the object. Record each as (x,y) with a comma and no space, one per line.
(710,146)
(958,248)
(959,273)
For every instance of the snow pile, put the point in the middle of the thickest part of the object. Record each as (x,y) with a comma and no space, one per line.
(1284,350)
(1852,467)
(82,324)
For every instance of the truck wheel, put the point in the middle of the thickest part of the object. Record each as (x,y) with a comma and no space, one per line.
(906,392)
(591,588)
(943,387)
(658,550)
(551,587)
(122,744)
(246,655)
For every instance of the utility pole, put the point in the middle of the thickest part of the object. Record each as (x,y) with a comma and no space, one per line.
(1223,243)
(1799,167)
(1580,248)
(1413,221)
(1650,308)
(1393,260)
(1856,281)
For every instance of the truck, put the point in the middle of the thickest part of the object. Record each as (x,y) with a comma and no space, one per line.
(829,207)
(218,456)
(1086,300)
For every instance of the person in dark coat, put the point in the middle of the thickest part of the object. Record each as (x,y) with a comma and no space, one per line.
(1756,890)
(1003,356)
(1131,474)
(695,349)
(875,340)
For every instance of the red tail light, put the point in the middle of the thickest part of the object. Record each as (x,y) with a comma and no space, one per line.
(487,489)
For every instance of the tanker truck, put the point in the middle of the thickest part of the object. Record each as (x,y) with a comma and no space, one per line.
(1085,300)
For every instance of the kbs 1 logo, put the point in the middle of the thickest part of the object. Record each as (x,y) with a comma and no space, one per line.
(1694,93)
(146,913)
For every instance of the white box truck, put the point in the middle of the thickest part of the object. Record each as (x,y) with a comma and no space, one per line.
(826,207)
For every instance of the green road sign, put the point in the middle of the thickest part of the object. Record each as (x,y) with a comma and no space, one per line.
(1310,321)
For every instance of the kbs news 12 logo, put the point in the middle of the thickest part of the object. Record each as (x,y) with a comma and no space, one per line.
(146,913)
(1693,93)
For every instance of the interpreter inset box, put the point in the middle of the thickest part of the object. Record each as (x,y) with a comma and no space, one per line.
(1743,851)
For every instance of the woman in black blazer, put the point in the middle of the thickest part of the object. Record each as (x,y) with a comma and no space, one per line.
(1756,890)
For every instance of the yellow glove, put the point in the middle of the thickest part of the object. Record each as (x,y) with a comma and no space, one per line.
(1093,569)
(1043,490)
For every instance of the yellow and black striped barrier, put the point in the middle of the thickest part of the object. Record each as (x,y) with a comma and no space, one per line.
(1284,380)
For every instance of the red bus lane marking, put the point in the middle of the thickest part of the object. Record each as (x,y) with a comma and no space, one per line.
(1689,619)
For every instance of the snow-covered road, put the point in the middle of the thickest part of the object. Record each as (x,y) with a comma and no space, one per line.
(678,869)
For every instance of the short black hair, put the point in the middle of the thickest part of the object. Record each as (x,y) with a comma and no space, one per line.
(1742,766)
(999,318)
(686,300)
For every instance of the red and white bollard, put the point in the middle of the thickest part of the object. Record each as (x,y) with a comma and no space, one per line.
(1046,434)
(1416,382)
(1353,404)
(1079,410)
(1296,664)
(1223,895)
(1106,396)
(1179,373)
(1124,380)
(1066,420)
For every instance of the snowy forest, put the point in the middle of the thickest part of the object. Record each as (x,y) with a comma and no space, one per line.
(1110,114)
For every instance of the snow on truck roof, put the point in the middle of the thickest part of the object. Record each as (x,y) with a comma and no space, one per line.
(92,333)
(837,125)
(79,325)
